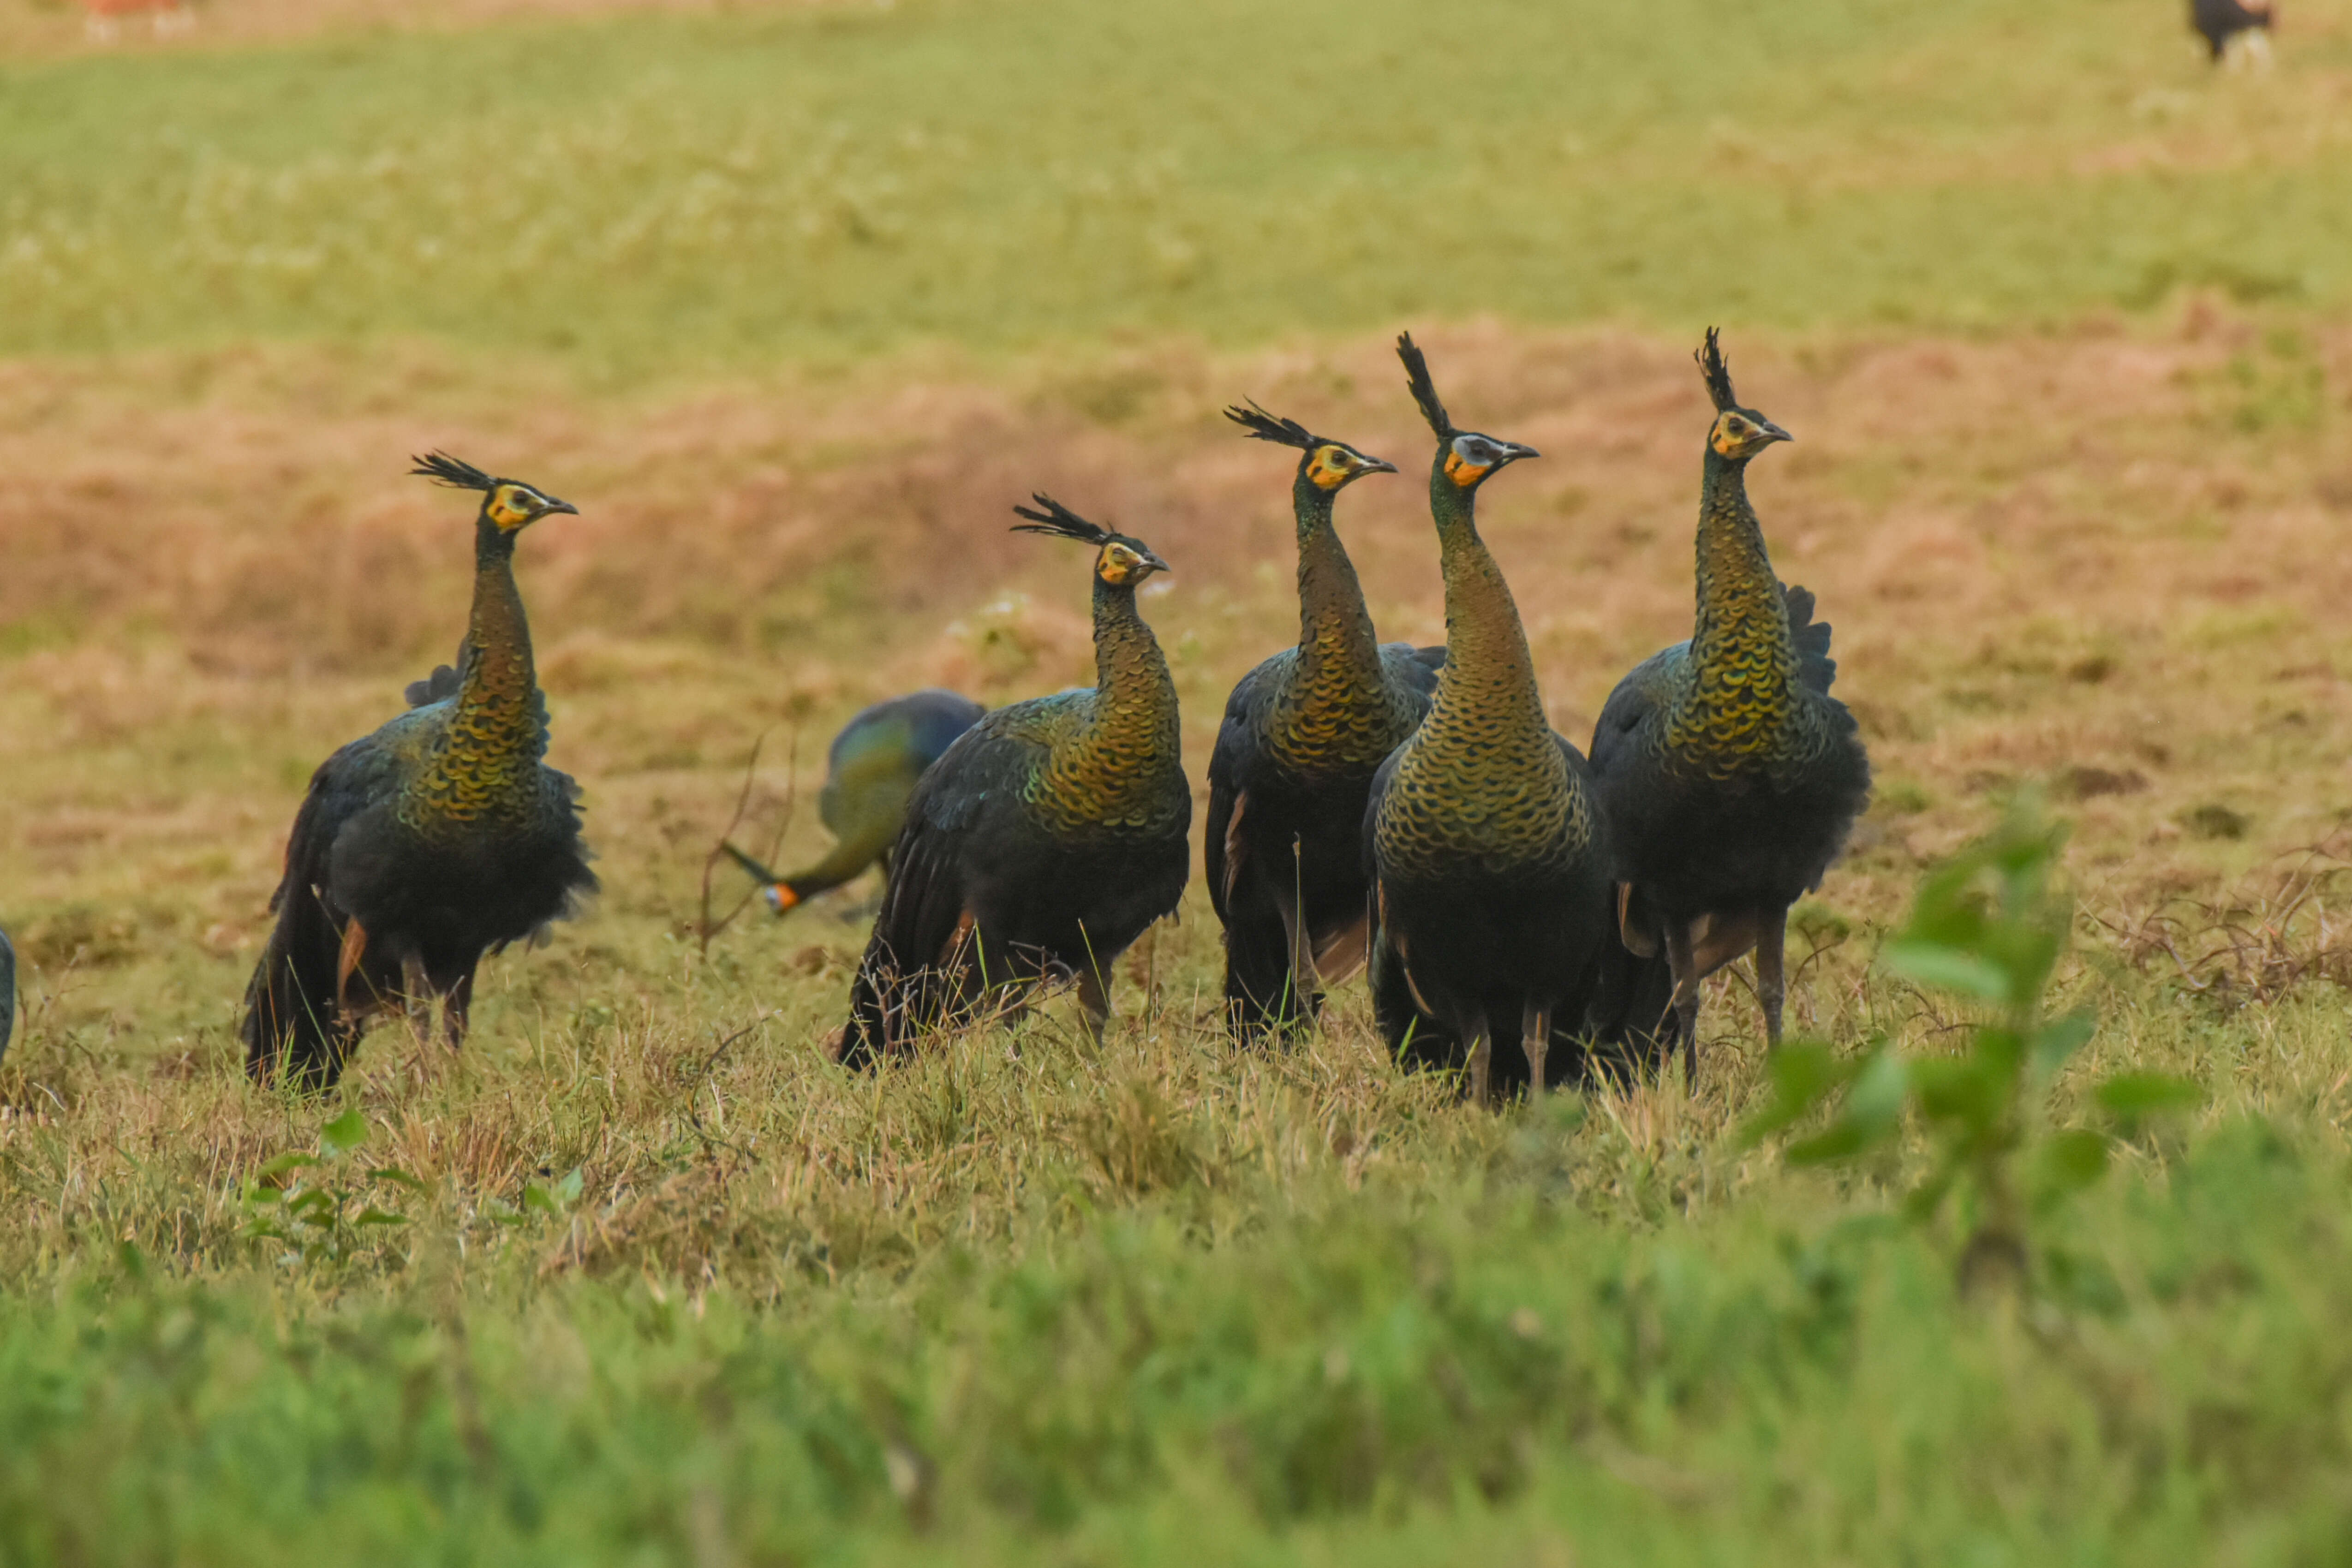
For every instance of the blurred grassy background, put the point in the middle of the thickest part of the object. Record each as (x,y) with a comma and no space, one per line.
(793,299)
(647,193)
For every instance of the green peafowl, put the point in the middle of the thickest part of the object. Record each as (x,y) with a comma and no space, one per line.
(869,772)
(1302,736)
(7,993)
(1049,838)
(437,839)
(1730,774)
(1483,842)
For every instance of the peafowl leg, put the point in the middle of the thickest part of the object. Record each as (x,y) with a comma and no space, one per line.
(1094,996)
(348,959)
(416,997)
(1772,978)
(1482,1058)
(457,1008)
(1535,1038)
(1684,967)
(1304,981)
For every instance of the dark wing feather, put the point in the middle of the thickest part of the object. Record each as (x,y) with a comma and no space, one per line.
(438,686)
(1641,693)
(290,1006)
(1414,668)
(976,781)
(1815,668)
(1237,747)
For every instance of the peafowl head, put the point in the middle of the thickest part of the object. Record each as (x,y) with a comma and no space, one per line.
(508,505)
(1119,561)
(1465,459)
(1328,466)
(1739,434)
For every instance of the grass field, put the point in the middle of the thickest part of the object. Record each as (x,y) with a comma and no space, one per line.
(795,300)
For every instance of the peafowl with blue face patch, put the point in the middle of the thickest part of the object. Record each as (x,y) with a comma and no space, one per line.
(1493,945)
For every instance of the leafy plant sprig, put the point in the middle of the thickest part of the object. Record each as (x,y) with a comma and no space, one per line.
(1988,928)
(318,1204)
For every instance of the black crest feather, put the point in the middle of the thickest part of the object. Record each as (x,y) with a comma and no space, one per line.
(442,468)
(1059,520)
(1424,391)
(1718,373)
(1264,426)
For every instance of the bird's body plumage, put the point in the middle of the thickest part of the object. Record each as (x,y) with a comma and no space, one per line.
(1302,736)
(1046,840)
(871,771)
(1731,776)
(440,837)
(1487,853)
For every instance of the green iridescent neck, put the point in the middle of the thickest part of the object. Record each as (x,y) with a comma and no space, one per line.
(486,763)
(1136,697)
(1339,653)
(1488,684)
(1122,771)
(1742,623)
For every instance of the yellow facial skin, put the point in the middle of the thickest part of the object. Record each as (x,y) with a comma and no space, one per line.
(1120,565)
(1331,467)
(511,506)
(1736,435)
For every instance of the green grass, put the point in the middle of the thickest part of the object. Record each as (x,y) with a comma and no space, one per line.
(1505,1340)
(646,192)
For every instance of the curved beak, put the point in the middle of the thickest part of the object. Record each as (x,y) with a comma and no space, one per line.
(1376,464)
(1152,560)
(554,506)
(1513,452)
(1772,432)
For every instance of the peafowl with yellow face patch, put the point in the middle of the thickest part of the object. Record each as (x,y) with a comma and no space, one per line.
(422,847)
(1730,775)
(871,770)
(1045,841)
(1493,947)
(1302,736)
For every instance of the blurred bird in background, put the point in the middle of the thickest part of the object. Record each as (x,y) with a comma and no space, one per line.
(2238,32)
(869,772)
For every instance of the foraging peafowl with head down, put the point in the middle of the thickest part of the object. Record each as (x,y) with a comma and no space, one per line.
(871,770)
(1302,736)
(1730,775)
(439,838)
(1487,853)
(1045,841)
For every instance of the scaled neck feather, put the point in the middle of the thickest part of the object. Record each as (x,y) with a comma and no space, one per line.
(1743,661)
(1123,767)
(486,765)
(1333,710)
